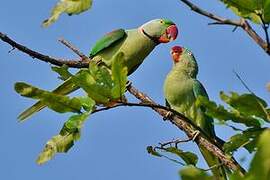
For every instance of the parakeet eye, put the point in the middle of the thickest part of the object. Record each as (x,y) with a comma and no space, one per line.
(189,53)
(161,21)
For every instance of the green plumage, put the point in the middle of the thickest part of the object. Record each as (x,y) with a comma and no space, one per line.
(135,45)
(107,41)
(181,89)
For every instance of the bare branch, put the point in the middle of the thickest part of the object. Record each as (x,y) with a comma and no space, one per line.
(74,49)
(212,16)
(175,142)
(42,57)
(223,21)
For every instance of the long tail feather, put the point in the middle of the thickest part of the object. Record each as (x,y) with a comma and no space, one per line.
(218,170)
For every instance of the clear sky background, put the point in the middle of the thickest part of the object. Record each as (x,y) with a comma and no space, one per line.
(113,144)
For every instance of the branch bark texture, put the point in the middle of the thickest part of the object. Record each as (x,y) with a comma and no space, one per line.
(182,123)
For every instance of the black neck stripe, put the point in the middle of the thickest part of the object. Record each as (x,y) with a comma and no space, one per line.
(154,39)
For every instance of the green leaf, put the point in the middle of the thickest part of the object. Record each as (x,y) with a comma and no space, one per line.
(74,123)
(101,84)
(247,104)
(220,113)
(266,11)
(70,7)
(119,76)
(244,8)
(151,151)
(193,173)
(189,157)
(62,71)
(56,102)
(62,142)
(247,139)
(58,143)
(95,86)
(260,165)
(250,9)
(87,103)
(103,79)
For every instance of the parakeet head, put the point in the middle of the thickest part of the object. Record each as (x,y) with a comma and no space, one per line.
(160,30)
(184,60)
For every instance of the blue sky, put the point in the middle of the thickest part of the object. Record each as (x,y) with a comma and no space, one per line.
(113,143)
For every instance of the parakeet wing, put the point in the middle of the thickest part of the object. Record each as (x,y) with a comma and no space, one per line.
(199,90)
(107,40)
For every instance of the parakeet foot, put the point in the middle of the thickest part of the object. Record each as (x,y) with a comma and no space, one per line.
(167,116)
(128,84)
(195,134)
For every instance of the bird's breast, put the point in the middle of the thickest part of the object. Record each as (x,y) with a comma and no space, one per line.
(179,92)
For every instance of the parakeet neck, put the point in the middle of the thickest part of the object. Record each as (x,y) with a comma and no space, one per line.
(146,34)
(186,67)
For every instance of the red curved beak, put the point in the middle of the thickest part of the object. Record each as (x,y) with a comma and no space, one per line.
(175,56)
(170,34)
(176,52)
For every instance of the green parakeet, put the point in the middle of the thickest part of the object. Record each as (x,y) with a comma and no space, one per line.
(136,44)
(181,89)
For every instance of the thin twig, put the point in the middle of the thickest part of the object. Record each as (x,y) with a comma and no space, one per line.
(235,128)
(242,23)
(175,142)
(42,57)
(10,51)
(243,82)
(74,49)
(220,20)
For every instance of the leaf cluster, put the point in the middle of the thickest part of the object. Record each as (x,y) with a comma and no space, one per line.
(245,109)
(259,166)
(254,10)
(102,85)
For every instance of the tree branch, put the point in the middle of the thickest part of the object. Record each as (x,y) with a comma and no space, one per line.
(219,19)
(182,123)
(223,21)
(42,57)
